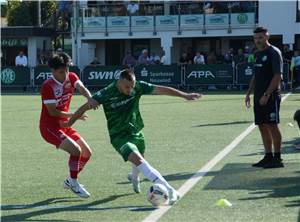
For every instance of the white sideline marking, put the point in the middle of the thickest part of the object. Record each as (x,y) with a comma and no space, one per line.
(191,182)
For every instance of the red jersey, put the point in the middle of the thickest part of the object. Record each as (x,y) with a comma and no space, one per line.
(60,94)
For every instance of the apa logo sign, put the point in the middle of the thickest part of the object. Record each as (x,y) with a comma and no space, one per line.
(43,75)
(201,74)
(104,75)
(8,76)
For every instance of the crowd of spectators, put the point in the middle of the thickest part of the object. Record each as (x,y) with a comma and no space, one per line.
(122,8)
(144,58)
(240,56)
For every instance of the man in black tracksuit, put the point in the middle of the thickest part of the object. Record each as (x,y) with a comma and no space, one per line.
(266,86)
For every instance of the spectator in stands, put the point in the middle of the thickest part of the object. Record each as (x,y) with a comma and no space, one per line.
(184,60)
(251,58)
(156,59)
(95,62)
(240,57)
(143,58)
(295,68)
(133,8)
(246,52)
(21,59)
(199,59)
(228,57)
(42,59)
(287,54)
(151,58)
(208,8)
(129,60)
(211,58)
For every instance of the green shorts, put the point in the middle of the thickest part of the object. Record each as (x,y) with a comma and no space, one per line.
(126,144)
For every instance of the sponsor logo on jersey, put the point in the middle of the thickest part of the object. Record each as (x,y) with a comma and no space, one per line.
(8,76)
(64,99)
(58,92)
(264,58)
(121,103)
(68,85)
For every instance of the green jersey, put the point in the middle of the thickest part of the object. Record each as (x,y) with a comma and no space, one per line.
(122,111)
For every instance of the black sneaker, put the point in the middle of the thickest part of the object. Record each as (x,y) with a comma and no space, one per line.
(263,162)
(275,163)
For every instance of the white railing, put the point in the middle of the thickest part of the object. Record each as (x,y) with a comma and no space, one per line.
(165,22)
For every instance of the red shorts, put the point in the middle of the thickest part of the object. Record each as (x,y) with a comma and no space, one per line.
(55,135)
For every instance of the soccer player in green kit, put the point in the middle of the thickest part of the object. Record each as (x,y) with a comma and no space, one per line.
(120,101)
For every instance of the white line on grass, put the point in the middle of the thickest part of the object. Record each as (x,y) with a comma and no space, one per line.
(190,183)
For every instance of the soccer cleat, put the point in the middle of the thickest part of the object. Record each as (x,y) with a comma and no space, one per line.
(76,188)
(174,196)
(262,162)
(274,163)
(135,183)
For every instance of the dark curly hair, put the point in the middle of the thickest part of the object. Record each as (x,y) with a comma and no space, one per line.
(59,60)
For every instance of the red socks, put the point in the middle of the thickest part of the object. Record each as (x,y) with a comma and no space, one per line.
(74,166)
(83,160)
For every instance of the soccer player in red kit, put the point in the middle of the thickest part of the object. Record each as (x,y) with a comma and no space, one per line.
(56,93)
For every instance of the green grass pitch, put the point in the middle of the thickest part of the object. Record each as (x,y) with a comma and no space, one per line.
(181,137)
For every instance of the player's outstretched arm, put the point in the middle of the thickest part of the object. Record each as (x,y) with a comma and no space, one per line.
(77,115)
(86,93)
(169,91)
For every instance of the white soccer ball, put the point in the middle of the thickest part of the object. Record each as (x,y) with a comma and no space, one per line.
(158,195)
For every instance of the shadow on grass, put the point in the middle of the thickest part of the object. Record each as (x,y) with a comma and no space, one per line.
(261,183)
(287,147)
(224,124)
(42,208)
(41,203)
(170,177)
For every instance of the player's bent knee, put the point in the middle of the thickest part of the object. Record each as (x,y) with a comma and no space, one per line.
(86,150)
(87,153)
(77,151)
(71,147)
(136,158)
